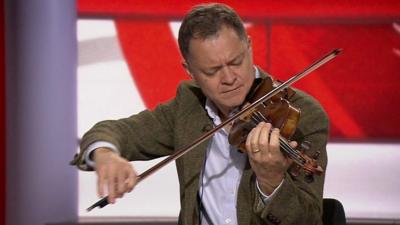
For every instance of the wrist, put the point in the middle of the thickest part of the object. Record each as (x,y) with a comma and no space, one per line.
(268,185)
(102,152)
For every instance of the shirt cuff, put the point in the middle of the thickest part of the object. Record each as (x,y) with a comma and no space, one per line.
(267,198)
(99,144)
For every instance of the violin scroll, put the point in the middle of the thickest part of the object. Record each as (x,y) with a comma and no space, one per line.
(310,166)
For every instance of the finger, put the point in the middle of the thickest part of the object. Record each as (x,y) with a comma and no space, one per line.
(274,141)
(251,146)
(293,144)
(264,137)
(101,179)
(131,181)
(254,139)
(111,188)
(248,141)
(120,186)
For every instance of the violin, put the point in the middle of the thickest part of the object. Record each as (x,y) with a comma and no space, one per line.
(249,113)
(281,114)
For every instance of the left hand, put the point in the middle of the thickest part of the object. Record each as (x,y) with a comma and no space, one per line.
(267,161)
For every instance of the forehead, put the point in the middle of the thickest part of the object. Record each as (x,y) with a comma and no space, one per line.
(225,45)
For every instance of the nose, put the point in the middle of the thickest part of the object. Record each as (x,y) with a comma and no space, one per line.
(228,75)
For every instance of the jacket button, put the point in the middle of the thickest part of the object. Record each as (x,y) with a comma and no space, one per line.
(273,219)
(270,217)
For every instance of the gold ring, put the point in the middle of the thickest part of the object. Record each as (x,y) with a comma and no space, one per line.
(256,150)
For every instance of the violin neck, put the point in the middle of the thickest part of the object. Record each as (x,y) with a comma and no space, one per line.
(291,152)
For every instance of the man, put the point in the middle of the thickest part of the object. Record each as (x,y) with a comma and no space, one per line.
(218,183)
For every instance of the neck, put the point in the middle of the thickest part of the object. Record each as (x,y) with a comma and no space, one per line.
(224,115)
(223,118)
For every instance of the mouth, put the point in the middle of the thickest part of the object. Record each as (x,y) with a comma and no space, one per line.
(231,90)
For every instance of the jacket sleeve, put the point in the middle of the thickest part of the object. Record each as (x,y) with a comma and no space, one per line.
(299,202)
(144,136)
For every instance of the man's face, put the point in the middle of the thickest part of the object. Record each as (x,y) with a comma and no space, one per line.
(222,66)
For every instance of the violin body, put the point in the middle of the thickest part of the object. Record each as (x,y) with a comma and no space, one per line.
(276,111)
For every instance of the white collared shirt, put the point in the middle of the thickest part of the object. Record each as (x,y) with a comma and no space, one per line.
(220,177)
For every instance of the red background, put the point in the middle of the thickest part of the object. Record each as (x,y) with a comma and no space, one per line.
(358,89)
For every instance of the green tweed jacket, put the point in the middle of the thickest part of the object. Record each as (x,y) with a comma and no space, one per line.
(175,124)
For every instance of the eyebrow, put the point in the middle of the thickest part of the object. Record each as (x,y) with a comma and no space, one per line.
(229,62)
(237,57)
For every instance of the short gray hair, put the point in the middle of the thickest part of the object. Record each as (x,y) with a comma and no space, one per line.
(206,20)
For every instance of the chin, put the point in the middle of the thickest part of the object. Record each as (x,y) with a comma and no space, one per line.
(230,103)
(233,105)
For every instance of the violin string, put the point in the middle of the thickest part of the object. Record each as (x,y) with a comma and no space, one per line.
(284,144)
(258,117)
(297,152)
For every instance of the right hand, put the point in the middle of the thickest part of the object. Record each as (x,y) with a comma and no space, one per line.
(114,173)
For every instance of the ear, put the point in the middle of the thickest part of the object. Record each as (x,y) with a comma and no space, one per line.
(249,46)
(186,67)
(249,42)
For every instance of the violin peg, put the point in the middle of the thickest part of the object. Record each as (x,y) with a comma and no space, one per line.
(305,146)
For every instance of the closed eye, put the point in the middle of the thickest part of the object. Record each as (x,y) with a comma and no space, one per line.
(237,61)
